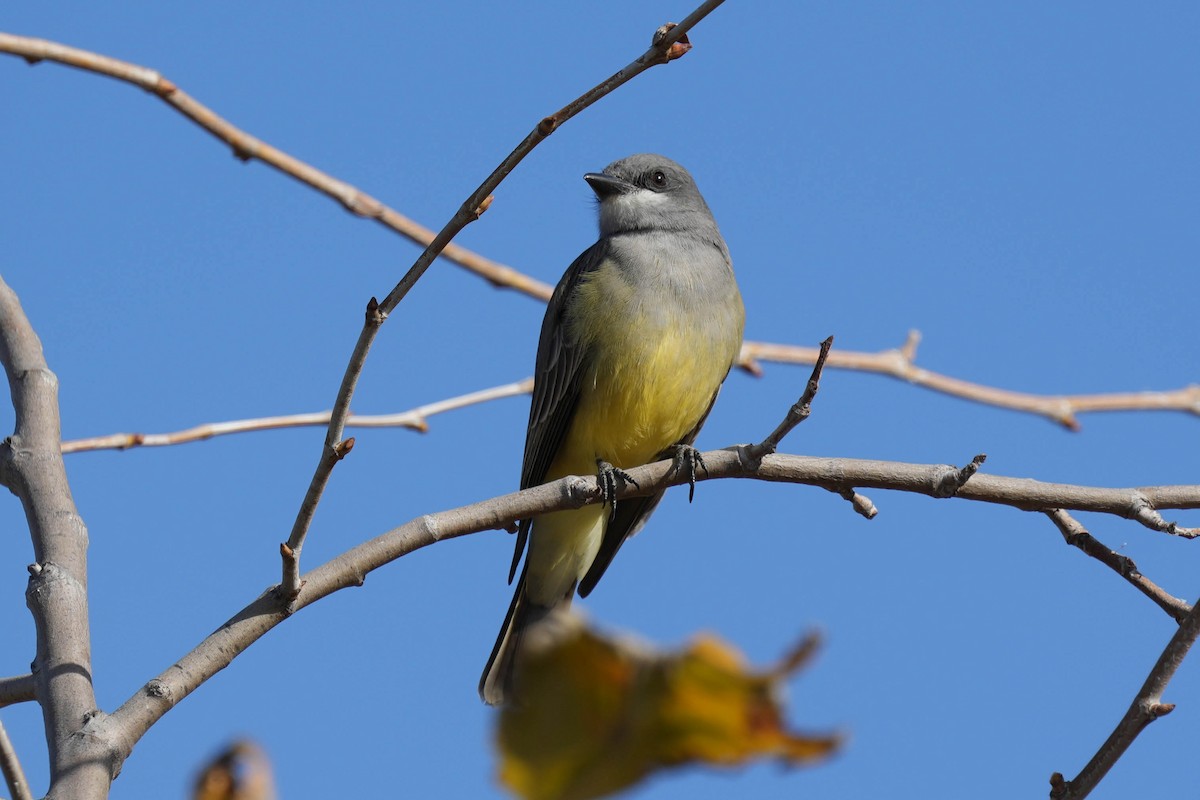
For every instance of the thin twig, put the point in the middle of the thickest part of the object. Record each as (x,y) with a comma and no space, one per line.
(10,765)
(1146,514)
(1182,399)
(1078,536)
(1146,707)
(333,450)
(247,147)
(668,43)
(900,363)
(416,419)
(799,411)
(18,689)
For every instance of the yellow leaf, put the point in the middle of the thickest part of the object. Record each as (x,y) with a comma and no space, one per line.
(597,714)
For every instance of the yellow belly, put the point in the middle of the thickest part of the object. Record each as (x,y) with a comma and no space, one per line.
(625,417)
(637,402)
(650,379)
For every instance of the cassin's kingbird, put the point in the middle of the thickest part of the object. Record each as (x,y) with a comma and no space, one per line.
(640,333)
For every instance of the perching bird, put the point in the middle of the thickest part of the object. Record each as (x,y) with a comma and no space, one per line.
(640,333)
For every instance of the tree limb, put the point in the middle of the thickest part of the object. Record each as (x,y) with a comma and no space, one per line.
(138,713)
(417,419)
(31,466)
(18,689)
(247,148)
(1076,535)
(900,363)
(1146,707)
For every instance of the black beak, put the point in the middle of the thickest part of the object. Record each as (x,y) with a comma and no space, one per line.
(606,185)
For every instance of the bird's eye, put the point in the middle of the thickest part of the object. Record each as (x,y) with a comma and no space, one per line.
(659,178)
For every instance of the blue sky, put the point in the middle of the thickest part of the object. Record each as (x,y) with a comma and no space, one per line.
(1020,183)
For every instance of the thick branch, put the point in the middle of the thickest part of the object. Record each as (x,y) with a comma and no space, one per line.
(1146,707)
(31,466)
(1023,493)
(161,694)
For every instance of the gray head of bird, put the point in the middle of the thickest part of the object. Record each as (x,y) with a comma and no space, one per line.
(647,192)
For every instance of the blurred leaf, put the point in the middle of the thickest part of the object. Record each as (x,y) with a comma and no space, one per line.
(598,715)
(241,772)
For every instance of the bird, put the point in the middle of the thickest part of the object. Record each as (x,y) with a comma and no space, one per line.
(638,336)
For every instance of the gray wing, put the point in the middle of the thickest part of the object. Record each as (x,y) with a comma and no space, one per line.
(556,377)
(631,516)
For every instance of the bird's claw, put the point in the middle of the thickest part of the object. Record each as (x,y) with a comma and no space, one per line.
(607,476)
(688,457)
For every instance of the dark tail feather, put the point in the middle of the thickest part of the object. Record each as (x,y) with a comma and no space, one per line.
(496,683)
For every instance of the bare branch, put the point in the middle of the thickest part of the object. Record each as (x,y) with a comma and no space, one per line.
(31,466)
(19,689)
(661,51)
(415,419)
(247,147)
(1146,707)
(1023,493)
(900,363)
(1144,512)
(10,766)
(1077,536)
(799,411)
(216,652)
(333,450)
(897,363)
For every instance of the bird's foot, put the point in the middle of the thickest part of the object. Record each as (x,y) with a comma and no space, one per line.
(607,475)
(688,458)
